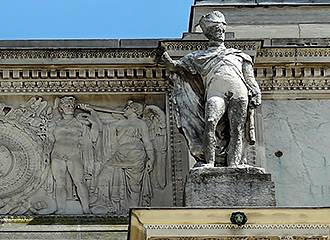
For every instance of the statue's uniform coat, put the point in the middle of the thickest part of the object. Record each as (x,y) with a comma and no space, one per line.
(225,79)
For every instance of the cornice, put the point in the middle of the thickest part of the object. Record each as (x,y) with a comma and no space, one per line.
(76,53)
(291,81)
(77,56)
(180,48)
(293,54)
(292,72)
(200,45)
(108,79)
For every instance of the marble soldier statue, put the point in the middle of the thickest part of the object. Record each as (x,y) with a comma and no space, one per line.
(215,93)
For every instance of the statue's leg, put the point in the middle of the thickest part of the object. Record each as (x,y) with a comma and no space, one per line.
(237,113)
(214,110)
(58,170)
(76,171)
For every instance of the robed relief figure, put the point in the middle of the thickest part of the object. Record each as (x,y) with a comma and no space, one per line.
(215,93)
(125,178)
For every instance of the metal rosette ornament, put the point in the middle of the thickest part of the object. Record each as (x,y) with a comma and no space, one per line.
(22,166)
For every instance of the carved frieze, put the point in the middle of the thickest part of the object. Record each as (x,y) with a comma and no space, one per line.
(202,45)
(303,80)
(61,80)
(76,53)
(181,48)
(318,54)
(66,156)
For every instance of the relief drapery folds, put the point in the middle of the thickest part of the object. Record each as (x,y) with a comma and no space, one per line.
(68,157)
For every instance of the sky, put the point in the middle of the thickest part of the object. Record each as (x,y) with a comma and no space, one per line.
(100,19)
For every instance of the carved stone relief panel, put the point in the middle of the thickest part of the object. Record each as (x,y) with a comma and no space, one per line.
(84,154)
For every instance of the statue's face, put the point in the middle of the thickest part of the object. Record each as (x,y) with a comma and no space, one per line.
(67,108)
(215,32)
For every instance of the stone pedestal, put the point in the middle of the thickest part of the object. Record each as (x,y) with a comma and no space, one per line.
(224,186)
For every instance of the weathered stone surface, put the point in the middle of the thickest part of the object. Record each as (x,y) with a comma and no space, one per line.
(60,156)
(63,235)
(221,187)
(265,20)
(299,129)
(263,223)
(219,87)
(63,228)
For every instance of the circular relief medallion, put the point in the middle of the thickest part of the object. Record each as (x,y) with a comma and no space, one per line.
(7,161)
(20,161)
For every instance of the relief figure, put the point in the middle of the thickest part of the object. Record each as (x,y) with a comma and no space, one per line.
(125,181)
(68,137)
(89,159)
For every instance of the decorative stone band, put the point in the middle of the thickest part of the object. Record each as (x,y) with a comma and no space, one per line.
(293,81)
(288,72)
(78,53)
(75,80)
(293,54)
(181,48)
(79,72)
(200,45)
(300,72)
(233,226)
(80,86)
(121,222)
(234,232)
(243,238)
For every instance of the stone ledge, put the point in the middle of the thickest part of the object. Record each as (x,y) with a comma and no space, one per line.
(64,220)
(78,43)
(63,227)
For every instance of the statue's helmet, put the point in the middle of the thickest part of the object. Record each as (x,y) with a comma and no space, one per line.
(211,19)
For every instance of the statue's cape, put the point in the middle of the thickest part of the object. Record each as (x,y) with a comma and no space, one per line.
(188,94)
